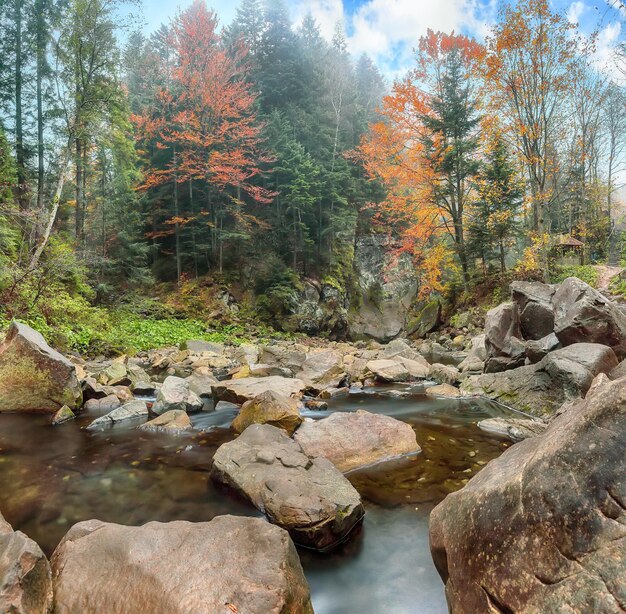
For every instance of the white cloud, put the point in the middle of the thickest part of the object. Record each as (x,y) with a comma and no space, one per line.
(327,13)
(389,30)
(605,55)
(576,11)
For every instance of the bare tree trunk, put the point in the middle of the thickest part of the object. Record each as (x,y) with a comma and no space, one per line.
(53,211)
(41,58)
(176,225)
(19,127)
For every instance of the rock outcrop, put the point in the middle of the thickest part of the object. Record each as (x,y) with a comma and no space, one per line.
(356,439)
(25,579)
(33,376)
(231,564)
(268,408)
(542,528)
(541,388)
(307,496)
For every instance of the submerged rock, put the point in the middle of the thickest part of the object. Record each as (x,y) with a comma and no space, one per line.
(268,407)
(176,394)
(241,390)
(33,376)
(173,421)
(515,429)
(129,411)
(63,415)
(307,496)
(25,579)
(356,439)
(228,565)
(542,528)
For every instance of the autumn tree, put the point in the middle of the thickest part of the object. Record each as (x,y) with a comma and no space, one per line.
(204,118)
(424,150)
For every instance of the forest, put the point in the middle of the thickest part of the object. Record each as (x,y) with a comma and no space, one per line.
(154,176)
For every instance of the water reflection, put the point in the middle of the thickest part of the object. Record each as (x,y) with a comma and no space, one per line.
(53,477)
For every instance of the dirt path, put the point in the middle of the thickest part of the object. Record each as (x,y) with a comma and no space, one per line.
(605,275)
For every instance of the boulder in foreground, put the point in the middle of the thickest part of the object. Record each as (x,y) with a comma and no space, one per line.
(268,407)
(307,496)
(543,527)
(25,580)
(241,390)
(33,376)
(231,564)
(356,439)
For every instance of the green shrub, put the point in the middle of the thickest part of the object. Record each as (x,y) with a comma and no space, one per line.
(586,273)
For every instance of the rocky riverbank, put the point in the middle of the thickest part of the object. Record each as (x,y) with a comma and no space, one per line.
(551,351)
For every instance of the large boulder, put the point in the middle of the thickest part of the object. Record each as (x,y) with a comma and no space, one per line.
(356,439)
(543,527)
(542,388)
(503,334)
(427,319)
(230,564)
(582,314)
(269,407)
(241,390)
(25,579)
(307,496)
(175,393)
(33,376)
(534,306)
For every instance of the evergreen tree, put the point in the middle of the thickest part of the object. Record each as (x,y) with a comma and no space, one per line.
(496,217)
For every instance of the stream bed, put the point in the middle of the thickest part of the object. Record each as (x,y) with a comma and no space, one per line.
(53,477)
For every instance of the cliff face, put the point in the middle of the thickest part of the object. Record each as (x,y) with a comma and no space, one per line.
(377,305)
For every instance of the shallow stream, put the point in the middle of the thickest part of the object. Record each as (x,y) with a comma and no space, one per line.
(53,477)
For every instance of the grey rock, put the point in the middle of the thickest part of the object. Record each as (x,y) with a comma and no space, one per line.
(230,564)
(241,390)
(175,394)
(129,411)
(515,429)
(306,496)
(536,350)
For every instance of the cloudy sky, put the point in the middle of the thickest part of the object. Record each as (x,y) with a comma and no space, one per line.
(389,29)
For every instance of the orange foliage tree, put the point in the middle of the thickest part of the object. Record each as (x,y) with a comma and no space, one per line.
(205,117)
(422,151)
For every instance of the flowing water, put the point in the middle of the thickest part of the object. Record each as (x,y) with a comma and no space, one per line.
(53,477)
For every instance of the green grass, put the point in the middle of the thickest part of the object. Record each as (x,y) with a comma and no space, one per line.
(586,273)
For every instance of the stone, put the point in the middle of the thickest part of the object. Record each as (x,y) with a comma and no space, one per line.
(226,406)
(542,388)
(582,314)
(247,354)
(538,349)
(307,496)
(143,388)
(444,374)
(399,348)
(173,421)
(542,527)
(322,370)
(115,375)
(25,578)
(228,565)
(241,390)
(389,370)
(427,319)
(34,377)
(501,326)
(443,390)
(515,429)
(475,359)
(202,385)
(497,364)
(63,415)
(418,369)
(269,407)
(105,404)
(176,394)
(619,371)
(129,411)
(198,347)
(534,304)
(351,440)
